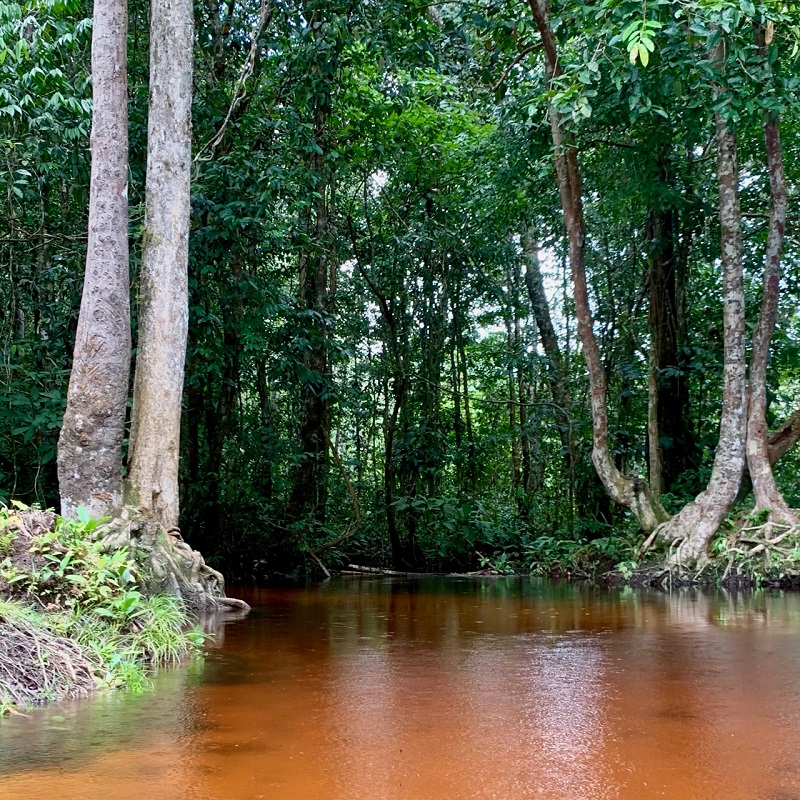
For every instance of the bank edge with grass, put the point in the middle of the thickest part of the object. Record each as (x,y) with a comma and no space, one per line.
(748,551)
(76,616)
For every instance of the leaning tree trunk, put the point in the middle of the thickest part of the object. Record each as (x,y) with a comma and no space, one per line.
(699,520)
(784,437)
(767,495)
(152,483)
(633,493)
(90,444)
(556,371)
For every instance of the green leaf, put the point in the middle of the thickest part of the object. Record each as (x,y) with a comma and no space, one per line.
(747,8)
(629,30)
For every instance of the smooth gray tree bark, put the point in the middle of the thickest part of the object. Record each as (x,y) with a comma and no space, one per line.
(768,496)
(152,483)
(693,527)
(633,493)
(700,520)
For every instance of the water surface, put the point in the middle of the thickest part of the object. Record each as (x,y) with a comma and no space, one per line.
(380,689)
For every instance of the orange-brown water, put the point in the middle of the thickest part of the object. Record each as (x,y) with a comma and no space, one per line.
(447,690)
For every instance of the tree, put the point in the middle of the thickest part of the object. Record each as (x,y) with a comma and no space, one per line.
(152,482)
(317,260)
(90,444)
(768,497)
(697,522)
(364,360)
(556,371)
(633,493)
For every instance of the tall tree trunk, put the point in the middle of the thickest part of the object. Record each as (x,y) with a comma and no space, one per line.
(668,385)
(152,482)
(265,482)
(90,444)
(219,410)
(434,303)
(316,267)
(395,346)
(472,467)
(699,520)
(655,464)
(455,383)
(511,355)
(767,495)
(309,490)
(390,469)
(556,373)
(633,493)
(530,482)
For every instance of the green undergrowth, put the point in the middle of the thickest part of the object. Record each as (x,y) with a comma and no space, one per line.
(583,553)
(75,618)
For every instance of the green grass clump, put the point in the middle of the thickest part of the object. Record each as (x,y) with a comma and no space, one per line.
(163,637)
(15,611)
(66,587)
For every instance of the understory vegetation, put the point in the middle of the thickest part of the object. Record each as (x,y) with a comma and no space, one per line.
(75,618)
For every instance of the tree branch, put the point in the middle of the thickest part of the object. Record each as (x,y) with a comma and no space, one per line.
(507,71)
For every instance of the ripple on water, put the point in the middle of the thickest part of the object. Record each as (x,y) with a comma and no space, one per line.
(453,690)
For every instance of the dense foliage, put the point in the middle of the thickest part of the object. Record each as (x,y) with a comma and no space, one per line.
(75,617)
(369,373)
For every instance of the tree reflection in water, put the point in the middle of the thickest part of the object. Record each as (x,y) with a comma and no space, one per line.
(504,688)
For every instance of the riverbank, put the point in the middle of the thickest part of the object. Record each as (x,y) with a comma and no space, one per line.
(76,617)
(748,553)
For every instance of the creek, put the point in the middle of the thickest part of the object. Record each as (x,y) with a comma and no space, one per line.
(446,689)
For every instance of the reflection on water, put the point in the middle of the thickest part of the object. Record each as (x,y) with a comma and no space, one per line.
(376,689)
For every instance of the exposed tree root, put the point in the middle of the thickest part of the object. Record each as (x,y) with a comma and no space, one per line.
(37,666)
(675,562)
(768,551)
(168,563)
(37,662)
(233,603)
(764,549)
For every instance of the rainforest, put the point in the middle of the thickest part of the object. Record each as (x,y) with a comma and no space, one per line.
(434,287)
(406,391)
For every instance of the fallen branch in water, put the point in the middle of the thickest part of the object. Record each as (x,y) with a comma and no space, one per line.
(319,563)
(375,571)
(356,569)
